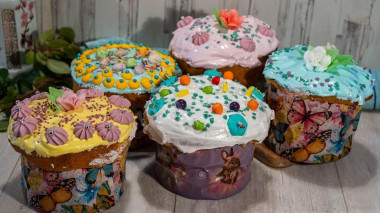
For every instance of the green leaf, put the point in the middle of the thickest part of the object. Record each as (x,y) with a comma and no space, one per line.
(29,57)
(67,33)
(4,125)
(217,16)
(4,74)
(333,53)
(345,59)
(58,67)
(53,95)
(69,52)
(310,47)
(58,43)
(48,35)
(300,51)
(41,58)
(333,64)
(57,55)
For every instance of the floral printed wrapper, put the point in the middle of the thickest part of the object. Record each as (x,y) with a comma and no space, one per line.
(309,131)
(78,190)
(205,174)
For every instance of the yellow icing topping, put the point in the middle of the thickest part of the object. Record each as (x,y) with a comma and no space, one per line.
(155,80)
(79,66)
(151,72)
(90,69)
(145,82)
(134,84)
(97,79)
(162,74)
(86,77)
(121,84)
(79,73)
(85,60)
(107,73)
(127,76)
(36,142)
(109,82)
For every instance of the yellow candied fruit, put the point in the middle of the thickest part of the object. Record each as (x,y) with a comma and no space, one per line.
(97,79)
(225,87)
(127,75)
(107,73)
(134,84)
(121,84)
(183,93)
(79,73)
(146,83)
(90,69)
(109,82)
(78,66)
(86,77)
(249,91)
(151,72)
(156,79)
(143,51)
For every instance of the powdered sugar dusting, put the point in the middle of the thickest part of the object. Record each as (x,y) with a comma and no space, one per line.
(108,158)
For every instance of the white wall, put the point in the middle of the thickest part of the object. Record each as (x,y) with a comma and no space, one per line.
(353,25)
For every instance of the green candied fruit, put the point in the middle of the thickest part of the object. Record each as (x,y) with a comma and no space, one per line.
(164,92)
(131,62)
(207,89)
(198,125)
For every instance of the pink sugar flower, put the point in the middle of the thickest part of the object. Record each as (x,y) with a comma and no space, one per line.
(70,100)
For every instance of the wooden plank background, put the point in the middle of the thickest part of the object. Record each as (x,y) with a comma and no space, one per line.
(354,26)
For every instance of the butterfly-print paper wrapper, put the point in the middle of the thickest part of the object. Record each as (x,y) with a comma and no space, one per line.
(79,190)
(309,131)
(204,174)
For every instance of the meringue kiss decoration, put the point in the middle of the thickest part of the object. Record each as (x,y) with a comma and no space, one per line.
(200,38)
(20,110)
(247,44)
(56,136)
(119,101)
(84,130)
(108,131)
(184,21)
(24,126)
(122,116)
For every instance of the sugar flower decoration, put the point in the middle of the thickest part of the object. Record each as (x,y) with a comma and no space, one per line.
(70,100)
(228,19)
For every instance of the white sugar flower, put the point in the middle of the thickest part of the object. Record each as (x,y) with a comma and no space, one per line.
(317,59)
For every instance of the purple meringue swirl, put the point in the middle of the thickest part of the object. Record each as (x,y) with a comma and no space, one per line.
(108,131)
(119,101)
(122,116)
(24,126)
(38,96)
(184,21)
(20,110)
(247,44)
(91,92)
(200,38)
(84,130)
(266,31)
(56,136)
(139,70)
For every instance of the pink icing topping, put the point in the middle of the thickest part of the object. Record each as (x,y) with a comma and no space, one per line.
(231,18)
(38,96)
(56,136)
(70,100)
(200,38)
(118,66)
(184,21)
(266,31)
(120,52)
(20,110)
(119,101)
(122,116)
(84,130)
(108,131)
(247,44)
(91,93)
(139,70)
(24,126)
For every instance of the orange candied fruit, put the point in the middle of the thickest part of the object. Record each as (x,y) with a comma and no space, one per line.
(217,108)
(228,75)
(185,80)
(252,104)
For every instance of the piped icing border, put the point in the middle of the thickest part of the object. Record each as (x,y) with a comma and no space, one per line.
(313,71)
(62,122)
(123,68)
(206,112)
(203,42)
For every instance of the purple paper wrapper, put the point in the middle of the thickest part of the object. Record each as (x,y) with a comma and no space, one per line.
(205,174)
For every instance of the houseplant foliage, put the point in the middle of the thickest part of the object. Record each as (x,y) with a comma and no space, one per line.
(50,56)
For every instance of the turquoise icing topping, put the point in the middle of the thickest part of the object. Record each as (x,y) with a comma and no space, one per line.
(131,54)
(155,106)
(257,94)
(237,125)
(169,81)
(288,68)
(213,73)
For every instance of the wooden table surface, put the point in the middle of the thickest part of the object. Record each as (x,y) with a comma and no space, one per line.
(349,185)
